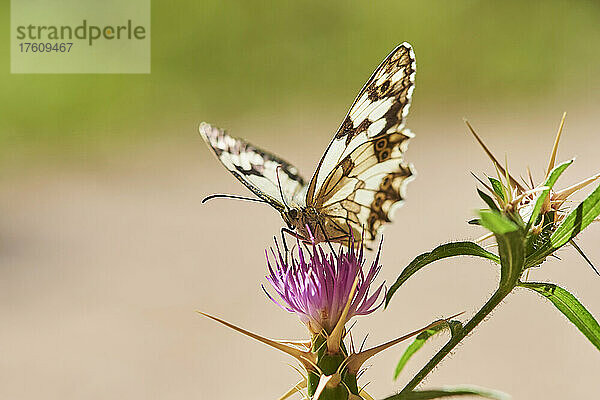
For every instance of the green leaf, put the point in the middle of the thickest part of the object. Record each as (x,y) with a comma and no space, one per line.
(420,341)
(440,252)
(511,244)
(552,178)
(496,222)
(570,307)
(511,248)
(498,187)
(450,392)
(416,346)
(583,215)
(488,200)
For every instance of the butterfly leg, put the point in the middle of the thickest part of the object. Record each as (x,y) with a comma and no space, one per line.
(292,233)
(285,246)
(283,231)
(326,237)
(301,240)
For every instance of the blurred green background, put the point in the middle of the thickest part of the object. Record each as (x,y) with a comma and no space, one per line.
(222,61)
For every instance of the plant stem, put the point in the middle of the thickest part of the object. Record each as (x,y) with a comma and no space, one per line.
(487,308)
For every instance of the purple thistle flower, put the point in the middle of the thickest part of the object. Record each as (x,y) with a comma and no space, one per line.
(316,286)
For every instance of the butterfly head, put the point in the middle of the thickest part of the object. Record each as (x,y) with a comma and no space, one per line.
(292,216)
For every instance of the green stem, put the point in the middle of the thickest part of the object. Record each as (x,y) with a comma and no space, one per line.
(487,308)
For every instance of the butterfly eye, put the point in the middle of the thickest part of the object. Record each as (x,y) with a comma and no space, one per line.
(293,213)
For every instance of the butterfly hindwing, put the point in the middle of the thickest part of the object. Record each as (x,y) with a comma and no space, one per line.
(365,190)
(361,178)
(260,171)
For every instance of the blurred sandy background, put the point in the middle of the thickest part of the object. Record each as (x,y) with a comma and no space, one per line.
(106,251)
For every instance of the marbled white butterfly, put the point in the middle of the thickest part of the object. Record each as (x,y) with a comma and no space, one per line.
(360,179)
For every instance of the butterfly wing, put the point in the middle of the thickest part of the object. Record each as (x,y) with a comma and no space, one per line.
(361,178)
(265,174)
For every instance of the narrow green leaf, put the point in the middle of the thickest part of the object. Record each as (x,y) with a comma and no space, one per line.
(575,222)
(511,248)
(552,178)
(450,392)
(511,244)
(570,307)
(488,200)
(416,346)
(440,252)
(420,340)
(496,222)
(498,187)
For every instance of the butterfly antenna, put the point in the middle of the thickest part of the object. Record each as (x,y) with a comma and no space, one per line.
(231,196)
(280,189)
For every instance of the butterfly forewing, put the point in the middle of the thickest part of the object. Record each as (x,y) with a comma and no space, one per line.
(361,178)
(264,173)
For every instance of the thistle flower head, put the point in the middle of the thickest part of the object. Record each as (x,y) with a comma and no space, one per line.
(537,211)
(325,289)
(318,285)
(519,200)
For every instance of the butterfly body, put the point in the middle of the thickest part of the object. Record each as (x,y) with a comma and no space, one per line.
(360,179)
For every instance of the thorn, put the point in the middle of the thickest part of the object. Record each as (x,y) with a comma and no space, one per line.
(454,316)
(484,184)
(302,374)
(348,331)
(491,156)
(525,183)
(355,361)
(361,373)
(295,389)
(362,345)
(334,339)
(501,180)
(306,358)
(564,193)
(365,395)
(555,147)
(508,180)
(484,237)
(304,343)
(530,177)
(518,199)
(584,256)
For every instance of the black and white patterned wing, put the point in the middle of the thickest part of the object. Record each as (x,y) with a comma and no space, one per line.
(361,178)
(259,170)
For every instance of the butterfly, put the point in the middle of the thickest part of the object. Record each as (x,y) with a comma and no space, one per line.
(361,178)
